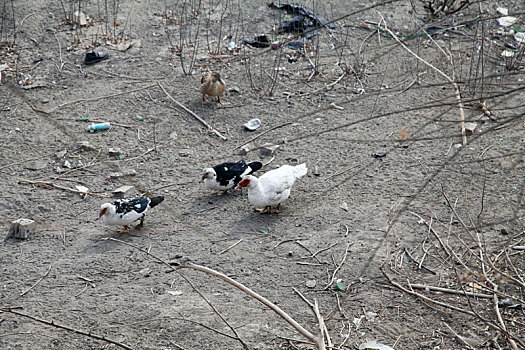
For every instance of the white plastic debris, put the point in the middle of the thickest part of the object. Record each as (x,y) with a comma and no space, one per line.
(507,53)
(80,17)
(83,191)
(370,315)
(503,11)
(253,124)
(507,21)
(174,292)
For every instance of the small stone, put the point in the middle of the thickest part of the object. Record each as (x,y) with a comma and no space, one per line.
(114,151)
(311,283)
(174,292)
(85,146)
(61,154)
(470,127)
(290,253)
(344,206)
(130,172)
(22,228)
(235,90)
(268,149)
(504,231)
(379,154)
(67,164)
(45,100)
(316,171)
(123,191)
(145,272)
(185,152)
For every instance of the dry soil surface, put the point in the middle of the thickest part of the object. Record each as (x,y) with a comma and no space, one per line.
(433,211)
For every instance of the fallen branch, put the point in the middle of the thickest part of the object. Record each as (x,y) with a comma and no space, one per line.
(452,307)
(210,128)
(77,331)
(304,332)
(452,82)
(95,98)
(47,184)
(450,291)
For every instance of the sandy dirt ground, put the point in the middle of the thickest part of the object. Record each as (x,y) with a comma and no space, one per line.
(369,239)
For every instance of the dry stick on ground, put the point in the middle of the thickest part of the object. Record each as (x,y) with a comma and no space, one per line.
(77,331)
(456,87)
(461,339)
(93,99)
(25,161)
(304,332)
(449,306)
(338,266)
(39,280)
(230,247)
(420,264)
(264,132)
(237,337)
(450,291)
(323,331)
(47,184)
(203,122)
(500,320)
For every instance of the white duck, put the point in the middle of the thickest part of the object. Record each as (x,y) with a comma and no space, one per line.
(268,192)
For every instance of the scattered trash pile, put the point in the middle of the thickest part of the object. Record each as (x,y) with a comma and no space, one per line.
(304,22)
(510,29)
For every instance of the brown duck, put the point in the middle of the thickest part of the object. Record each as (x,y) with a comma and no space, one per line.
(212,85)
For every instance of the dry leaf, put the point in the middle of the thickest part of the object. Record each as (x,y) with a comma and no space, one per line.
(404,134)
(512,162)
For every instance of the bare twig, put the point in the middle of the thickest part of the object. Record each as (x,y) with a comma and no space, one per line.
(39,280)
(456,87)
(96,98)
(262,133)
(47,184)
(450,291)
(203,122)
(230,247)
(338,266)
(69,329)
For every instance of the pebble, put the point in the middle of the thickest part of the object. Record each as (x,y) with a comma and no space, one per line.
(84,146)
(311,283)
(268,149)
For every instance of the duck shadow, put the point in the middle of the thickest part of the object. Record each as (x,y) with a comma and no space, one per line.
(254,221)
(211,200)
(101,244)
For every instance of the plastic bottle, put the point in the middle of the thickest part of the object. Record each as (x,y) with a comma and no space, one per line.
(101,126)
